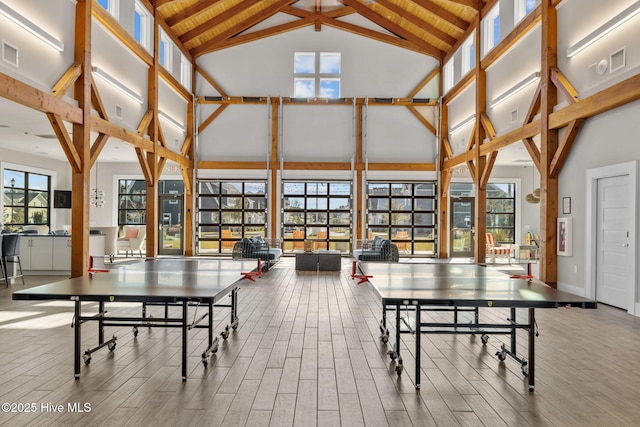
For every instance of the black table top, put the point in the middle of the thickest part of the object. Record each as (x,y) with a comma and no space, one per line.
(153,280)
(463,285)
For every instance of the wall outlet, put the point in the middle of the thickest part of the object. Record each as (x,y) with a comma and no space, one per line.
(575,268)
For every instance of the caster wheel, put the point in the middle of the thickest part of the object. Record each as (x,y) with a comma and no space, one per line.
(399,370)
(501,355)
(111,346)
(135,331)
(384,338)
(205,363)
(225,334)
(484,338)
(234,325)
(86,358)
(525,370)
(392,355)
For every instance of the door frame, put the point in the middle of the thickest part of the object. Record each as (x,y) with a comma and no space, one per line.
(593,175)
(472,229)
(161,198)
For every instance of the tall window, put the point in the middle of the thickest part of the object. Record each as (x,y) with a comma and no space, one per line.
(110,6)
(185,72)
(317,211)
(447,71)
(317,74)
(165,51)
(501,221)
(522,8)
(142,25)
(26,199)
(405,213)
(132,201)
(229,211)
(468,54)
(491,28)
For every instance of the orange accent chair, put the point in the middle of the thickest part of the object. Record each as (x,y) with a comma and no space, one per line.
(494,250)
(402,245)
(227,244)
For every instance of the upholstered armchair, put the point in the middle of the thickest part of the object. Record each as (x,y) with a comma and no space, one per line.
(132,240)
(110,239)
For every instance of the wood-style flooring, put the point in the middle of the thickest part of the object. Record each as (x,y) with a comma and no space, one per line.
(307,352)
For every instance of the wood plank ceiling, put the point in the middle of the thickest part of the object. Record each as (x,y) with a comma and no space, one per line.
(432,27)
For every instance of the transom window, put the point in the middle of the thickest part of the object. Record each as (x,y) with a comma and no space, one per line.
(447,71)
(468,54)
(229,211)
(317,74)
(185,72)
(319,212)
(405,213)
(491,28)
(523,7)
(26,199)
(110,6)
(142,25)
(165,51)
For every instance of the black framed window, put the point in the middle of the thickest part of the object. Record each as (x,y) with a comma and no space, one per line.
(406,213)
(501,212)
(132,201)
(501,208)
(27,198)
(229,211)
(319,211)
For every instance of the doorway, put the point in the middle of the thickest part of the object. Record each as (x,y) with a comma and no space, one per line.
(462,227)
(611,235)
(170,215)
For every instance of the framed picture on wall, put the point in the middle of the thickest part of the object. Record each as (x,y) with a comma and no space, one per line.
(564,236)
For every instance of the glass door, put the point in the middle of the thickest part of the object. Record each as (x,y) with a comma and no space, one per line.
(462,227)
(170,214)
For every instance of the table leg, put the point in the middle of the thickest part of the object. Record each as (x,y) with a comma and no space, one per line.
(101,322)
(532,348)
(418,345)
(184,340)
(77,341)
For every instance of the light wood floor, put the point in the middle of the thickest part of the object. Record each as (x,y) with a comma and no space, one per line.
(307,352)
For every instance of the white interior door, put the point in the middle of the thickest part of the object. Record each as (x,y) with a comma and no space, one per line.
(613,272)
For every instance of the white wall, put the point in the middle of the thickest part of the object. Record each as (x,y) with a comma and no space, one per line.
(315,133)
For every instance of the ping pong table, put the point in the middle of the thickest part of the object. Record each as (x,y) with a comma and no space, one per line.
(179,281)
(417,288)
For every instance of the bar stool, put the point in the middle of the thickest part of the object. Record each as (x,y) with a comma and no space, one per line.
(11,253)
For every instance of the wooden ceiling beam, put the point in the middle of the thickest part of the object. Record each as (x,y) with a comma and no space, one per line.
(97,147)
(262,34)
(472,4)
(210,80)
(66,142)
(533,150)
(109,22)
(190,12)
(103,126)
(382,37)
(443,14)
(615,96)
(217,20)
(418,22)
(389,25)
(205,123)
(557,162)
(67,80)
(29,96)
(432,75)
(564,86)
(241,26)
(422,119)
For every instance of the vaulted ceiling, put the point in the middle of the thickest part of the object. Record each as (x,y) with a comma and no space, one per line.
(432,27)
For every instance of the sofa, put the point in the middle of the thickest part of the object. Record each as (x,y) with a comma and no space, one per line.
(378,249)
(258,248)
